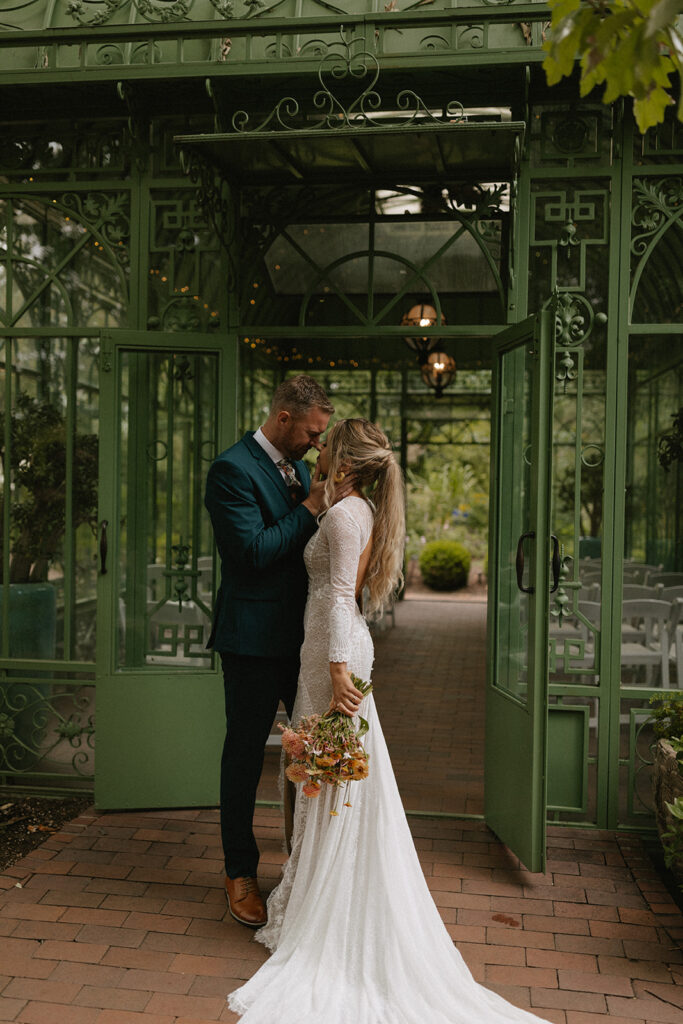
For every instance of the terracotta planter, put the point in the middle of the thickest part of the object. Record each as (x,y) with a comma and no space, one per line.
(667,783)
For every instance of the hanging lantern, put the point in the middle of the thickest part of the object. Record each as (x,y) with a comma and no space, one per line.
(421,316)
(438,371)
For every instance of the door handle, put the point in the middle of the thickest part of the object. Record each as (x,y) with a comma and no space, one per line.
(103,546)
(555,563)
(519,562)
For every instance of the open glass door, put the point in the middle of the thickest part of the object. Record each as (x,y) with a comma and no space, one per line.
(519,583)
(160,715)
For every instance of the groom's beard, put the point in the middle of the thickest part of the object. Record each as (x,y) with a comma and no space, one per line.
(296,454)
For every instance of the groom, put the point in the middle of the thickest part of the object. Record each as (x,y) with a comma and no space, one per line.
(263,508)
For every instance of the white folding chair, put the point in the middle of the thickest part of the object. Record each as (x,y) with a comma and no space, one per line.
(640,591)
(653,618)
(631,633)
(676,627)
(639,572)
(668,579)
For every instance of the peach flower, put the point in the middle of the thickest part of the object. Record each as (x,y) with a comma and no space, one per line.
(296,773)
(325,761)
(292,743)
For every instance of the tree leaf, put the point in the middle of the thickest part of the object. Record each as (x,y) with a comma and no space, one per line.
(630,46)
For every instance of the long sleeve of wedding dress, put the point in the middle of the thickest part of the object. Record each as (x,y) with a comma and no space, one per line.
(353,930)
(346,537)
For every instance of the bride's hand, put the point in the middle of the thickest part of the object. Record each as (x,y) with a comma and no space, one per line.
(314,500)
(345,696)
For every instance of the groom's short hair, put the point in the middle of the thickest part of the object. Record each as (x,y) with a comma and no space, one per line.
(298,395)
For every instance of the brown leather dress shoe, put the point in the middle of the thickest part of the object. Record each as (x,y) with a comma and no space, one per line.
(245,902)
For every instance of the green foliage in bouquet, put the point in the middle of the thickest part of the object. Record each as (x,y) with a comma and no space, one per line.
(327,749)
(445,564)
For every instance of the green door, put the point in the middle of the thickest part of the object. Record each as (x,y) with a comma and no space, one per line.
(160,718)
(519,583)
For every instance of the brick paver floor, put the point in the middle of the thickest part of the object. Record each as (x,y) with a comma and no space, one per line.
(121,918)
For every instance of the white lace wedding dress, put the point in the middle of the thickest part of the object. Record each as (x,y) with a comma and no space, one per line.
(355,935)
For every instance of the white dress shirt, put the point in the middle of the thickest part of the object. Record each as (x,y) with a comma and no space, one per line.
(271,451)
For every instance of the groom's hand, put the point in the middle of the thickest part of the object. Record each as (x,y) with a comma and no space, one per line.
(315,500)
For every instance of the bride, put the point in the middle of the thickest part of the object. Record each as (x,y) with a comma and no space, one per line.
(354,933)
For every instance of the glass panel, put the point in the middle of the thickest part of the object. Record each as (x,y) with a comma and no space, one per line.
(578,484)
(456,260)
(652,583)
(352,264)
(657,250)
(186,273)
(49,426)
(514,480)
(49,449)
(64,261)
(302,252)
(168,437)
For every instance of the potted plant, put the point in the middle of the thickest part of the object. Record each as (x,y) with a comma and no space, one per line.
(37,467)
(668,777)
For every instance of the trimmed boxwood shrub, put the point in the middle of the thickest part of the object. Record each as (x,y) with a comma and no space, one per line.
(445,564)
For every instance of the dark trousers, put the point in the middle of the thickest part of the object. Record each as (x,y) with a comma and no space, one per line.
(253,689)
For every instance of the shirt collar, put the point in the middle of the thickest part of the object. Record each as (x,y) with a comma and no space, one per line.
(271,451)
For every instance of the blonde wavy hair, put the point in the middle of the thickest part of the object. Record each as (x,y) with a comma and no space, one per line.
(365,450)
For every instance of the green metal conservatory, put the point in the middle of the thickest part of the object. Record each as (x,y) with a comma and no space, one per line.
(200,196)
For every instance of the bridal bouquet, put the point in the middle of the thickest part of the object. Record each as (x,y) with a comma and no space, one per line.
(327,749)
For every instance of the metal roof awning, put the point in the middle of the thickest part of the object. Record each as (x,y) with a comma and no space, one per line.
(393,153)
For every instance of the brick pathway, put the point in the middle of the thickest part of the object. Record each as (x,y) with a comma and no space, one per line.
(120,919)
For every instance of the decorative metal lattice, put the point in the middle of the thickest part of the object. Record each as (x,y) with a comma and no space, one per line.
(355,66)
(47,728)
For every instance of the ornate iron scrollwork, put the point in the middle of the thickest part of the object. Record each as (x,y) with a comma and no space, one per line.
(353,65)
(562,599)
(42,724)
(656,203)
(215,199)
(574,318)
(180,586)
(105,213)
(155,11)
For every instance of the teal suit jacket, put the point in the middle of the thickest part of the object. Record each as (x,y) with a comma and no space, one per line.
(261,534)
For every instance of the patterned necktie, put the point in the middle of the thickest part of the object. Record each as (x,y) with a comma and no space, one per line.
(294,484)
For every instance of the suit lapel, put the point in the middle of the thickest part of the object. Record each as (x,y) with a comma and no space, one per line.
(266,463)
